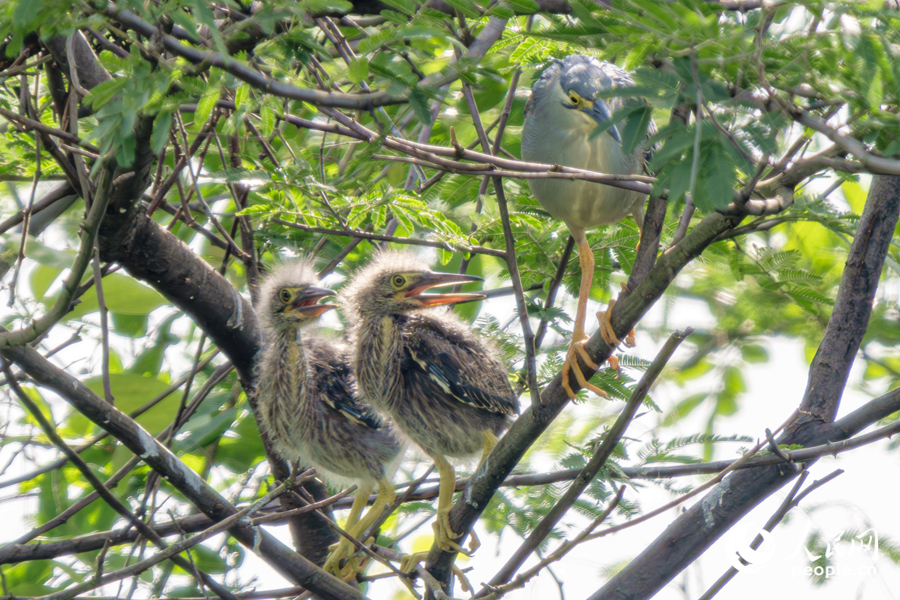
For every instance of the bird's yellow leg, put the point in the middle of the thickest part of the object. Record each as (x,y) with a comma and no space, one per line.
(386,497)
(443,535)
(490,441)
(344,548)
(586,260)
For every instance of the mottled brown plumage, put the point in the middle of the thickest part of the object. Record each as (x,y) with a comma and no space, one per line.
(308,401)
(445,389)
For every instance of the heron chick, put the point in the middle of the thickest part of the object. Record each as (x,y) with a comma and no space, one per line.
(561,117)
(308,402)
(442,387)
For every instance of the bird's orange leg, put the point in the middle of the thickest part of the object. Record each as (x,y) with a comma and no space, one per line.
(586,260)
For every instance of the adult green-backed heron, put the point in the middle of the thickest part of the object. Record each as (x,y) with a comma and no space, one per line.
(308,403)
(561,116)
(445,389)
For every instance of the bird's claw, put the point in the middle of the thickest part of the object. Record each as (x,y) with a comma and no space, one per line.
(606,328)
(345,550)
(444,535)
(474,543)
(571,363)
(409,562)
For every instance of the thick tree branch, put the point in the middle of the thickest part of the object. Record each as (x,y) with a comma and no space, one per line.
(695,530)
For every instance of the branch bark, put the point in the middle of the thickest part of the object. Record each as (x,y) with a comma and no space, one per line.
(536,418)
(159,458)
(698,528)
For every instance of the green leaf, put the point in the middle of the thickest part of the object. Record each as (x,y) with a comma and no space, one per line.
(358,70)
(104,92)
(133,326)
(523,7)
(466,7)
(635,131)
(241,94)
(160,136)
(754,353)
(205,106)
(132,391)
(123,295)
(420,105)
(268,120)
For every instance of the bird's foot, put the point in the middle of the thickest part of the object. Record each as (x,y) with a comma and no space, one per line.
(474,543)
(409,562)
(577,348)
(444,535)
(606,328)
(345,550)
(629,339)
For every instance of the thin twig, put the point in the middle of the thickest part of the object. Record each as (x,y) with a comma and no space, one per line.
(104,325)
(387,238)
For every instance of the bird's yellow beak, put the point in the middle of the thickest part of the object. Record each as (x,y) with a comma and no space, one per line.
(304,303)
(429,280)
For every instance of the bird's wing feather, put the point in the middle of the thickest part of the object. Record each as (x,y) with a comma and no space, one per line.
(334,380)
(460,366)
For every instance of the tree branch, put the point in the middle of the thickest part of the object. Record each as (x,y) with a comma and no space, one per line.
(695,530)
(186,481)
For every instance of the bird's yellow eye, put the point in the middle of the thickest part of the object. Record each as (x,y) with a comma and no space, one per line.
(573,97)
(285,295)
(398,281)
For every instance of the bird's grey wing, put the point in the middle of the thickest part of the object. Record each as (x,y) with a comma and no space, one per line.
(334,381)
(461,368)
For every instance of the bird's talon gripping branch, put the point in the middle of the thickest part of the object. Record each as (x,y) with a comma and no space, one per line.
(474,543)
(341,550)
(444,536)
(606,328)
(629,339)
(614,365)
(408,564)
(577,348)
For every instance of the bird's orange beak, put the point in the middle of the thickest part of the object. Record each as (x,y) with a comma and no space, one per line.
(430,280)
(304,305)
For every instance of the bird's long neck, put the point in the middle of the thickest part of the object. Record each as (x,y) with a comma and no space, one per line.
(378,357)
(291,367)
